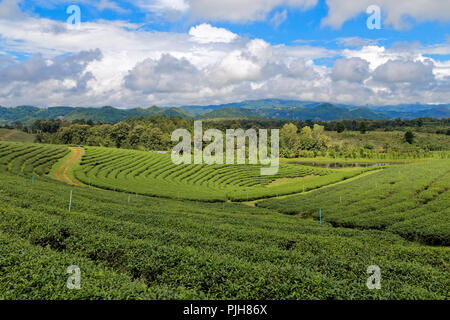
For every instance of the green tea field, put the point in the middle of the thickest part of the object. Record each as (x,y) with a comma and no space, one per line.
(155,175)
(135,237)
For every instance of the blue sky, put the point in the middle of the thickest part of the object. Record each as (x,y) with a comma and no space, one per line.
(299,24)
(174,52)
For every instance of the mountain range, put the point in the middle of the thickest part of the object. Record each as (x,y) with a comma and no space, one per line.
(265,108)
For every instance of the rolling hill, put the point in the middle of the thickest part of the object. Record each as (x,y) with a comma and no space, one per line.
(28,114)
(266,108)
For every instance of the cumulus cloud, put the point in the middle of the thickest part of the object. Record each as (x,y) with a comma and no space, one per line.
(38,69)
(10,10)
(395,13)
(396,71)
(167,74)
(47,79)
(242,10)
(205,33)
(203,66)
(352,70)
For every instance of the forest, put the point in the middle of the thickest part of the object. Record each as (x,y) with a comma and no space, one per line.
(357,138)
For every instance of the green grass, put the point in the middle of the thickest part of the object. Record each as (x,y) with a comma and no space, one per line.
(155,175)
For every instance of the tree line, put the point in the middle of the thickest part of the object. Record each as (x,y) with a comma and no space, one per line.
(297,138)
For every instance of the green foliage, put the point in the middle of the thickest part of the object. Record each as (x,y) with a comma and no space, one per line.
(154,174)
(27,158)
(29,114)
(165,249)
(363,127)
(130,246)
(409,137)
(411,200)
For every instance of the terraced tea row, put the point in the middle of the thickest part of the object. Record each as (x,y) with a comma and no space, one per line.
(155,174)
(167,249)
(23,158)
(412,200)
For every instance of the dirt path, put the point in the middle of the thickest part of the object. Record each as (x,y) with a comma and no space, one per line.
(6,136)
(66,166)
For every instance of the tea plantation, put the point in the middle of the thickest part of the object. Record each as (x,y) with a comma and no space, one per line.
(131,246)
(411,200)
(155,175)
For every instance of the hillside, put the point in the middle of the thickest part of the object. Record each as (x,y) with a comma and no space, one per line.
(229,112)
(266,108)
(15,135)
(28,114)
(303,110)
(133,246)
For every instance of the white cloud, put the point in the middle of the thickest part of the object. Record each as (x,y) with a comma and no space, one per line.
(10,10)
(353,70)
(110,5)
(241,10)
(394,13)
(205,33)
(163,5)
(278,18)
(395,71)
(167,74)
(206,65)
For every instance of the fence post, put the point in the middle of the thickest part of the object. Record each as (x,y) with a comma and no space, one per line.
(70,200)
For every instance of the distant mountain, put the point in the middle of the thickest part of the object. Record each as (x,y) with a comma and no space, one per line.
(265,108)
(323,111)
(250,104)
(28,114)
(439,112)
(304,110)
(229,112)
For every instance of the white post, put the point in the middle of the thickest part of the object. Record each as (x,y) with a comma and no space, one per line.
(70,200)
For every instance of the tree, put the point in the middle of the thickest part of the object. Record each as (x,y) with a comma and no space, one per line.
(155,139)
(340,127)
(321,141)
(409,137)
(18,125)
(362,127)
(135,136)
(119,133)
(289,137)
